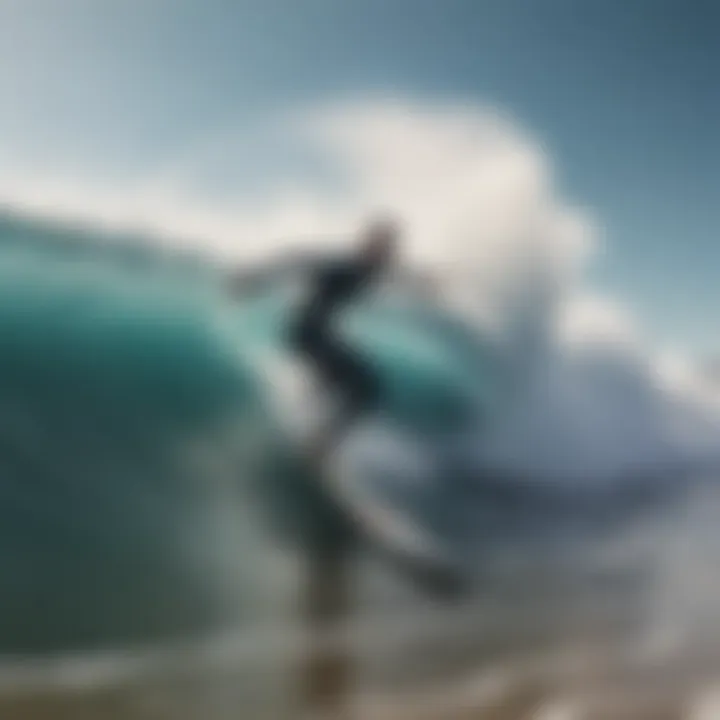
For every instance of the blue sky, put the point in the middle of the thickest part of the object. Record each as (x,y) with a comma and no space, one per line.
(622,93)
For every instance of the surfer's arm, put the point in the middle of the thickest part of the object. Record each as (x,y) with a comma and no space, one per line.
(258,277)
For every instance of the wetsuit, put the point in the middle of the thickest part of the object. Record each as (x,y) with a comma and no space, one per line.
(344,369)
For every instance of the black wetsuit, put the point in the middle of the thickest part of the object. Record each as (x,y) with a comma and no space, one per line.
(313,335)
(347,372)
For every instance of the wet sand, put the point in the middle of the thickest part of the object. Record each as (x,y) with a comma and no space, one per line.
(642,695)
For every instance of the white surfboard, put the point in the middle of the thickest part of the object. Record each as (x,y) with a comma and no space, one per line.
(393,530)
(386,523)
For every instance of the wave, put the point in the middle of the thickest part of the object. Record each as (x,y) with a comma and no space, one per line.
(148,436)
(137,407)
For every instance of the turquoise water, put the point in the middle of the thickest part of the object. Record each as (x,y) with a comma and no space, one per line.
(118,363)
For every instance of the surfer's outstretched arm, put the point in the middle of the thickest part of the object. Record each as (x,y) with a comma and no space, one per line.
(259,276)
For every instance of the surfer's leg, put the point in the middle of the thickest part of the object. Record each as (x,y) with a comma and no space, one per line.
(354,379)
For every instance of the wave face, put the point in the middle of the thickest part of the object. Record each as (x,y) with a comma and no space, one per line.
(138,408)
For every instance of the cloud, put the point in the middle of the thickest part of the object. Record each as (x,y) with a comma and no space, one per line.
(473,190)
(588,320)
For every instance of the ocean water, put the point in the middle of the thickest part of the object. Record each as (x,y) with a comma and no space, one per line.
(152,507)
(111,371)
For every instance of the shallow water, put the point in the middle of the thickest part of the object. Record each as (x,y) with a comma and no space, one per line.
(606,633)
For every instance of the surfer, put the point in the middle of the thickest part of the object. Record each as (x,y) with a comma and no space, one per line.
(334,285)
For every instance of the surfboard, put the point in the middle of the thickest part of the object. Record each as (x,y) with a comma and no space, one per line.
(342,494)
(392,531)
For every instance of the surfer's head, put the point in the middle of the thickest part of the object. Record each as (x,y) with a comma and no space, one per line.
(379,240)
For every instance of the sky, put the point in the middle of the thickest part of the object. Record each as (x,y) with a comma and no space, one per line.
(618,99)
